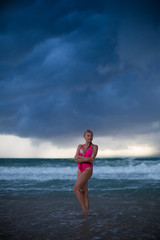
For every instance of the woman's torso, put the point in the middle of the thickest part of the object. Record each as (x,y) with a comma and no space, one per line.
(88,153)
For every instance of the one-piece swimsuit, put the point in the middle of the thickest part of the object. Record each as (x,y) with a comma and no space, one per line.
(82,166)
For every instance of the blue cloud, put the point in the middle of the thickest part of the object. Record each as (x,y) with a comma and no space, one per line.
(68,65)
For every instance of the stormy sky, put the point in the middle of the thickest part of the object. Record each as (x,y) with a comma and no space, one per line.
(67,66)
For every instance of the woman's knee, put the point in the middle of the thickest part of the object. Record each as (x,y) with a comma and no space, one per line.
(84,192)
(76,188)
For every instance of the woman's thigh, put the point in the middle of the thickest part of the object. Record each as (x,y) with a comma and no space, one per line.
(85,187)
(83,178)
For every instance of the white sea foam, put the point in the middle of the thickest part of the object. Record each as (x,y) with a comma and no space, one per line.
(37,173)
(45,173)
(140,171)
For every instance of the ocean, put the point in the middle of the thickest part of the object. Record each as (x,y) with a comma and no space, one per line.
(37,200)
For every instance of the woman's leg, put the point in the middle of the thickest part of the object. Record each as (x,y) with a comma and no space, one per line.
(80,184)
(84,192)
(85,195)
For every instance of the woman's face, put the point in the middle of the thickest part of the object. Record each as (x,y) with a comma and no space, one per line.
(88,137)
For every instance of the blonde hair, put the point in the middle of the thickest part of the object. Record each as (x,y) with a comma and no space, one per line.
(88,131)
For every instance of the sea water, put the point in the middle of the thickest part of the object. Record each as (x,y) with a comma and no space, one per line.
(37,199)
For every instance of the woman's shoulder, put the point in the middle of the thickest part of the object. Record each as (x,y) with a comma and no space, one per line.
(80,145)
(94,146)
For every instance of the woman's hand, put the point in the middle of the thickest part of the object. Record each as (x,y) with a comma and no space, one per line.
(78,159)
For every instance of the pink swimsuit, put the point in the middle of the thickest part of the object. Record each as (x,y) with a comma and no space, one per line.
(88,153)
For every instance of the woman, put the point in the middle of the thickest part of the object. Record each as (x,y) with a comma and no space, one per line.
(85,156)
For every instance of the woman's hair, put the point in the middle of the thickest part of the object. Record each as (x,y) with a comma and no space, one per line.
(88,131)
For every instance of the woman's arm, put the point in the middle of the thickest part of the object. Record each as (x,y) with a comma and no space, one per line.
(81,159)
(77,155)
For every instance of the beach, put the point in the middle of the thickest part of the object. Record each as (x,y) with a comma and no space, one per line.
(37,199)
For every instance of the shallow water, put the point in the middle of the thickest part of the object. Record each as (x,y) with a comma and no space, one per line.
(113,215)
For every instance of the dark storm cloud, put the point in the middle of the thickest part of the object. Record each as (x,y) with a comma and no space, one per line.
(71,65)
